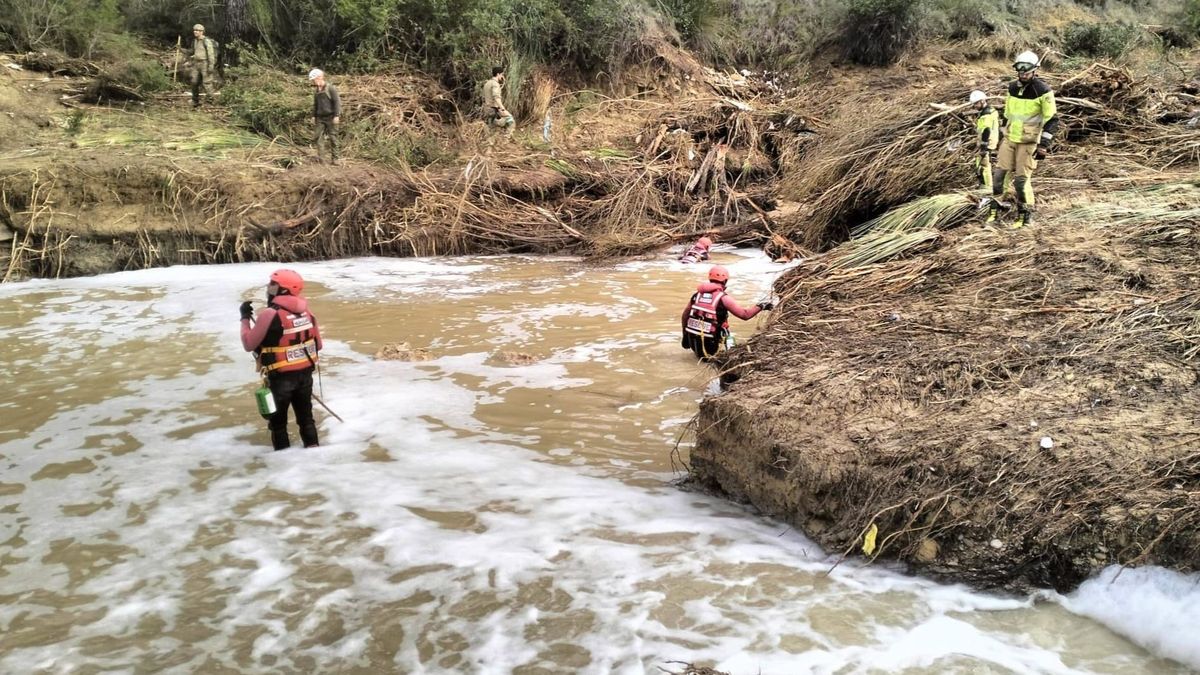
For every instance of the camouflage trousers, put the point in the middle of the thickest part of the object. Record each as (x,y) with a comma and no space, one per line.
(326,131)
(200,80)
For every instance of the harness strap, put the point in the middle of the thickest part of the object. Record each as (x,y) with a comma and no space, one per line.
(282,350)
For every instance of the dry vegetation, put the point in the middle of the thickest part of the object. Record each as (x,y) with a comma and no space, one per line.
(663,173)
(911,372)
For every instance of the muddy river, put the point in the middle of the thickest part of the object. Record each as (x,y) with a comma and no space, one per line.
(504,507)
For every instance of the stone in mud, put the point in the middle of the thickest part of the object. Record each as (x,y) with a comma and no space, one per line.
(402,351)
(927,551)
(518,358)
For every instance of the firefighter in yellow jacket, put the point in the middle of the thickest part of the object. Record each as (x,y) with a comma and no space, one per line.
(1030,122)
(987,137)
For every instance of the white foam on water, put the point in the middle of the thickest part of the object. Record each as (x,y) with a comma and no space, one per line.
(1155,607)
(525,321)
(490,555)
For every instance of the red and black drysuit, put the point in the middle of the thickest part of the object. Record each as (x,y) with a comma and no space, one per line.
(286,340)
(706,318)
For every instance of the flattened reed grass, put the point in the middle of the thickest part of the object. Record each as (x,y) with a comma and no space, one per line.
(926,371)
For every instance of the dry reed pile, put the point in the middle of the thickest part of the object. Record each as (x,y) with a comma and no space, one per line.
(886,153)
(913,397)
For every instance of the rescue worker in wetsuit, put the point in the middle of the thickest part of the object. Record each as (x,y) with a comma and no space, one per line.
(286,342)
(987,137)
(1031,118)
(706,317)
(697,252)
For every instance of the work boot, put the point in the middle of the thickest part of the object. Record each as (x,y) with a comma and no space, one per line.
(1023,218)
(993,210)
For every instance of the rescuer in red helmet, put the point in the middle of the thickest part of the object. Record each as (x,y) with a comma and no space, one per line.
(706,317)
(286,341)
(697,252)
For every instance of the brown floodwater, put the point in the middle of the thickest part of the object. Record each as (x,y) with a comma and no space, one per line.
(504,506)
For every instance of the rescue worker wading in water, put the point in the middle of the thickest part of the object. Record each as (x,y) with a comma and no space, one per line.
(286,341)
(697,251)
(706,317)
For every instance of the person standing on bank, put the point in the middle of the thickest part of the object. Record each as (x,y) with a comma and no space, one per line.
(327,113)
(202,63)
(1031,118)
(495,114)
(987,137)
(286,342)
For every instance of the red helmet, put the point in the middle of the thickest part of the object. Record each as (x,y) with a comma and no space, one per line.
(718,273)
(288,280)
(704,241)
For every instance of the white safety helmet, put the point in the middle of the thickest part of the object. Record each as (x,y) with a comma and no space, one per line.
(1027,58)
(315,73)
(977,96)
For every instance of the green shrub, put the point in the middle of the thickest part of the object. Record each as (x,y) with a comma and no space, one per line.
(129,66)
(876,32)
(961,19)
(1096,40)
(693,17)
(263,101)
(76,27)
(166,20)
(73,124)
(140,74)
(1188,19)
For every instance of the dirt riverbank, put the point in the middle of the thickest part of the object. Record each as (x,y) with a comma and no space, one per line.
(90,189)
(1010,409)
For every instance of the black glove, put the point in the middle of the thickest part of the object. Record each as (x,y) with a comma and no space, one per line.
(1041,152)
(766,306)
(247,312)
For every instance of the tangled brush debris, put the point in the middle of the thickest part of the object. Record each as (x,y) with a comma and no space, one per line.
(913,395)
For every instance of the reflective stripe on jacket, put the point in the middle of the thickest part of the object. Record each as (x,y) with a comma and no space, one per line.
(707,315)
(1031,112)
(694,254)
(987,128)
(290,344)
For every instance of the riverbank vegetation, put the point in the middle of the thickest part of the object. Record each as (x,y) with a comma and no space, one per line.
(458,42)
(895,388)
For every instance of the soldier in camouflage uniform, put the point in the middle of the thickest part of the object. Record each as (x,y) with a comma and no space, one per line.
(495,114)
(202,62)
(327,112)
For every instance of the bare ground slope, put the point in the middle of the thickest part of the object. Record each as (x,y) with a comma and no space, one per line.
(913,396)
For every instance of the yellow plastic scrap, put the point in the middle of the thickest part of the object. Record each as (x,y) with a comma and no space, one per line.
(869,540)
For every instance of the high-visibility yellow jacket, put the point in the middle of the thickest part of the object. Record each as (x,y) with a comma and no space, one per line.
(1030,112)
(987,128)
